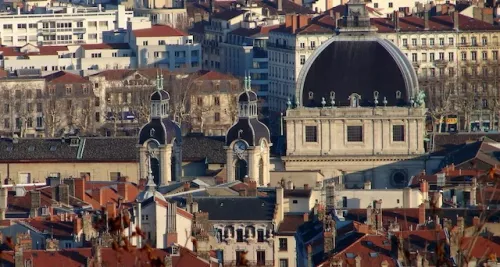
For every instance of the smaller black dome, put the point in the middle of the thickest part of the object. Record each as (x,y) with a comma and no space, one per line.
(160,95)
(162,130)
(247,96)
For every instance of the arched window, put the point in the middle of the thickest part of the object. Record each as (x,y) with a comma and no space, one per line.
(261,171)
(240,169)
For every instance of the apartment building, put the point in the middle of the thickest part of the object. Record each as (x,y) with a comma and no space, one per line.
(73,26)
(143,45)
(456,59)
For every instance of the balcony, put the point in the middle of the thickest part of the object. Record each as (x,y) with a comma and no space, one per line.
(440,63)
(415,64)
(249,263)
(280,46)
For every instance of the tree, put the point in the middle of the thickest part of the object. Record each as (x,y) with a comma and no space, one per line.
(181,87)
(82,115)
(53,116)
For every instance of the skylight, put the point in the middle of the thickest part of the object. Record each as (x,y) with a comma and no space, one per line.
(31,148)
(350,255)
(373,254)
(9,148)
(53,148)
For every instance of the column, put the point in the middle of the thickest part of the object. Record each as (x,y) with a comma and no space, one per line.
(229,165)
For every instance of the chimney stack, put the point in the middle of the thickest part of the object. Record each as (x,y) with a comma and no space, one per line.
(111,209)
(97,195)
(421,214)
(424,188)
(426,20)
(306,217)
(395,20)
(187,186)
(252,188)
(77,225)
(368,185)
(63,193)
(3,202)
(378,209)
(123,190)
(306,186)
(35,203)
(280,5)
(80,188)
(456,22)
(71,186)
(476,221)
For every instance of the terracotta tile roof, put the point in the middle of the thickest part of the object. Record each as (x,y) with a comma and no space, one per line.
(44,51)
(446,142)
(254,31)
(480,248)
(210,75)
(290,224)
(117,75)
(322,24)
(105,46)
(65,78)
(56,227)
(78,257)
(109,193)
(372,249)
(159,31)
(436,23)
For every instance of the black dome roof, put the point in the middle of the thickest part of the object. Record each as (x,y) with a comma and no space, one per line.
(361,65)
(252,131)
(160,95)
(164,131)
(247,96)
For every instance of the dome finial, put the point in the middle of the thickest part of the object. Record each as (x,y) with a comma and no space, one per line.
(151,186)
(159,80)
(248,81)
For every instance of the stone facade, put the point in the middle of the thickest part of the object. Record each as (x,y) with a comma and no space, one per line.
(377,157)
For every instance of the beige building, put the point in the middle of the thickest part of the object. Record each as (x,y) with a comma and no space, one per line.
(212,105)
(456,59)
(354,121)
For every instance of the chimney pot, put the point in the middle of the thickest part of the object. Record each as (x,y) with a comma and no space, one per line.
(306,217)
(306,186)
(123,190)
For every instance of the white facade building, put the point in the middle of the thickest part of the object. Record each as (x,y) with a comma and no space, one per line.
(146,46)
(74,26)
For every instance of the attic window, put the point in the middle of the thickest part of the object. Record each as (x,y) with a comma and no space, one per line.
(385,243)
(373,254)
(31,148)
(9,148)
(74,142)
(350,255)
(53,148)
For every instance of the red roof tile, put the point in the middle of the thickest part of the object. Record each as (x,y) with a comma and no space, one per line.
(109,193)
(290,224)
(480,248)
(213,76)
(118,75)
(159,31)
(56,227)
(372,249)
(65,78)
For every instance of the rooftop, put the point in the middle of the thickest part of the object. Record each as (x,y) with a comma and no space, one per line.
(159,31)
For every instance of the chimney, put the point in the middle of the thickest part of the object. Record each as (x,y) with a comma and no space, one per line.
(473,192)
(306,186)
(289,185)
(368,185)
(86,177)
(171,223)
(3,202)
(395,19)
(306,217)
(19,257)
(80,188)
(96,255)
(252,188)
(426,20)
(279,204)
(424,188)
(358,261)
(97,195)
(77,225)
(303,20)
(63,193)
(142,184)
(369,219)
(71,186)
(378,209)
(329,234)
(123,190)
(111,209)
(456,23)
(295,23)
(187,186)
(23,240)
(289,20)
(53,181)
(421,214)
(35,203)
(476,221)
(280,5)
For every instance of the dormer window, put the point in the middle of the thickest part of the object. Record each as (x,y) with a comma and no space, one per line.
(355,100)
(398,94)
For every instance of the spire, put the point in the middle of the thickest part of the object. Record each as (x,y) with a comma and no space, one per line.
(248,82)
(159,80)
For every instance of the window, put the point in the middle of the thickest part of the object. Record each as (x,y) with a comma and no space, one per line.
(375,5)
(313,44)
(217,100)
(302,45)
(21,26)
(405,42)
(39,122)
(261,257)
(424,41)
(414,42)
(162,42)
(354,133)
(302,59)
(311,134)
(344,202)
(199,101)
(295,201)
(6,108)
(431,41)
(156,54)
(113,176)
(464,55)
(424,57)
(283,244)
(441,56)
(239,235)
(240,257)
(473,55)
(114,54)
(216,116)
(432,57)
(451,56)
(29,123)
(494,55)
(69,104)
(485,103)
(7,26)
(441,41)
(6,123)
(414,57)
(260,235)
(485,41)
(473,41)
(29,94)
(398,133)
(97,101)
(97,117)
(144,42)
(485,55)
(450,41)
(390,4)
(283,263)
(29,107)
(463,41)
(39,107)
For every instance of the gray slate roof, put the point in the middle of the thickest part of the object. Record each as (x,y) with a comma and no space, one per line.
(237,208)
(102,149)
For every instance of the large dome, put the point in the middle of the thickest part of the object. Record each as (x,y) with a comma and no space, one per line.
(357,64)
